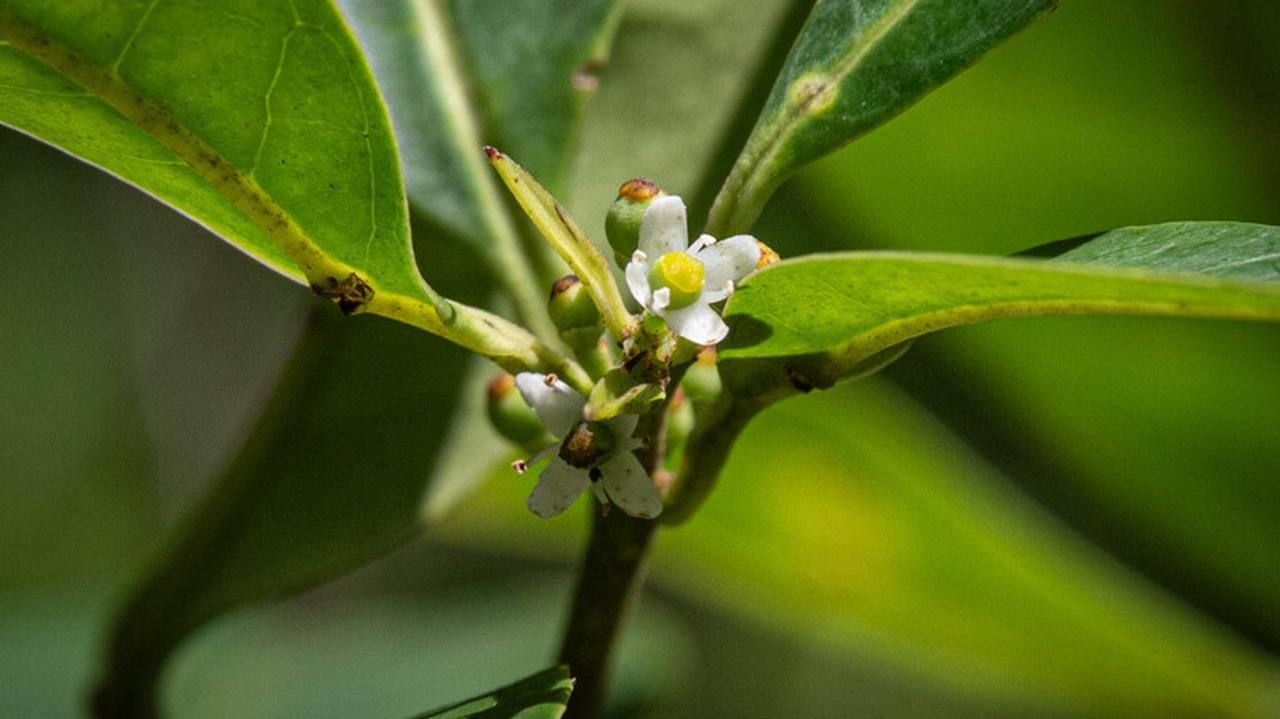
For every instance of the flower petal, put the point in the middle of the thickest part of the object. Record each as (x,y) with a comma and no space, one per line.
(557,404)
(558,486)
(697,323)
(637,274)
(727,261)
(629,486)
(663,228)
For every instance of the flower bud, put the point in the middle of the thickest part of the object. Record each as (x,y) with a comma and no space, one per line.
(511,416)
(574,313)
(622,224)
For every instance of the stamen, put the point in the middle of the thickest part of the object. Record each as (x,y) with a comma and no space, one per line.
(639,257)
(703,242)
(728,287)
(550,380)
(520,466)
(662,298)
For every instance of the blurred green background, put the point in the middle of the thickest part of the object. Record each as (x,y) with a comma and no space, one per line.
(1042,517)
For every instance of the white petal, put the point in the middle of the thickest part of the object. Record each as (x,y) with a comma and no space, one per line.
(557,404)
(637,274)
(622,426)
(558,485)
(697,323)
(703,240)
(728,261)
(663,228)
(629,486)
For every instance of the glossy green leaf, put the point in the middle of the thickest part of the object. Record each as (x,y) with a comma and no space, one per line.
(854,66)
(819,318)
(258,120)
(332,476)
(541,696)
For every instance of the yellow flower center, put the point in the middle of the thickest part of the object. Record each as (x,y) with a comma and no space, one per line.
(680,273)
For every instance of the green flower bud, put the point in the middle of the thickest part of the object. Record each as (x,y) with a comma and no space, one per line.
(511,416)
(622,224)
(681,274)
(680,419)
(702,381)
(574,313)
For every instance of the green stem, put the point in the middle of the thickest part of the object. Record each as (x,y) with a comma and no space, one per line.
(611,575)
(705,454)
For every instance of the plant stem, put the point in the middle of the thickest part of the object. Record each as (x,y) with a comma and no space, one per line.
(611,575)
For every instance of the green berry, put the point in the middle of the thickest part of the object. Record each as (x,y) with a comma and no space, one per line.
(622,224)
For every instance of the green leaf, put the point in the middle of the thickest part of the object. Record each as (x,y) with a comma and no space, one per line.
(534,64)
(332,476)
(258,120)
(541,696)
(811,321)
(854,66)
(677,72)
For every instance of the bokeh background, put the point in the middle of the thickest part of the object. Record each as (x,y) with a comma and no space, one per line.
(1040,517)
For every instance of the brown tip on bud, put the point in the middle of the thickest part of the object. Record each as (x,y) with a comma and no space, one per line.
(639,190)
(563,284)
(767,256)
(499,386)
(492,152)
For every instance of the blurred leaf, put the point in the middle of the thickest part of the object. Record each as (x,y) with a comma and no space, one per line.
(259,121)
(541,696)
(76,499)
(826,315)
(676,73)
(853,520)
(854,66)
(534,64)
(521,67)
(332,476)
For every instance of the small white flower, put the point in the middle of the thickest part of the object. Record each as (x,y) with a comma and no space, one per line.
(679,282)
(616,477)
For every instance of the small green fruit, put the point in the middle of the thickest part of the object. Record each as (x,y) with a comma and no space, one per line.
(622,224)
(511,416)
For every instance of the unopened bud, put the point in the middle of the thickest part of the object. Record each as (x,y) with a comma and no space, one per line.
(511,416)
(622,224)
(574,313)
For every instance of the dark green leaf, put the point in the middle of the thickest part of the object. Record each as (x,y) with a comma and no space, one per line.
(332,476)
(259,120)
(541,696)
(816,319)
(854,66)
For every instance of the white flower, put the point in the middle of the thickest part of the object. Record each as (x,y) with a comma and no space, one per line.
(616,477)
(685,290)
